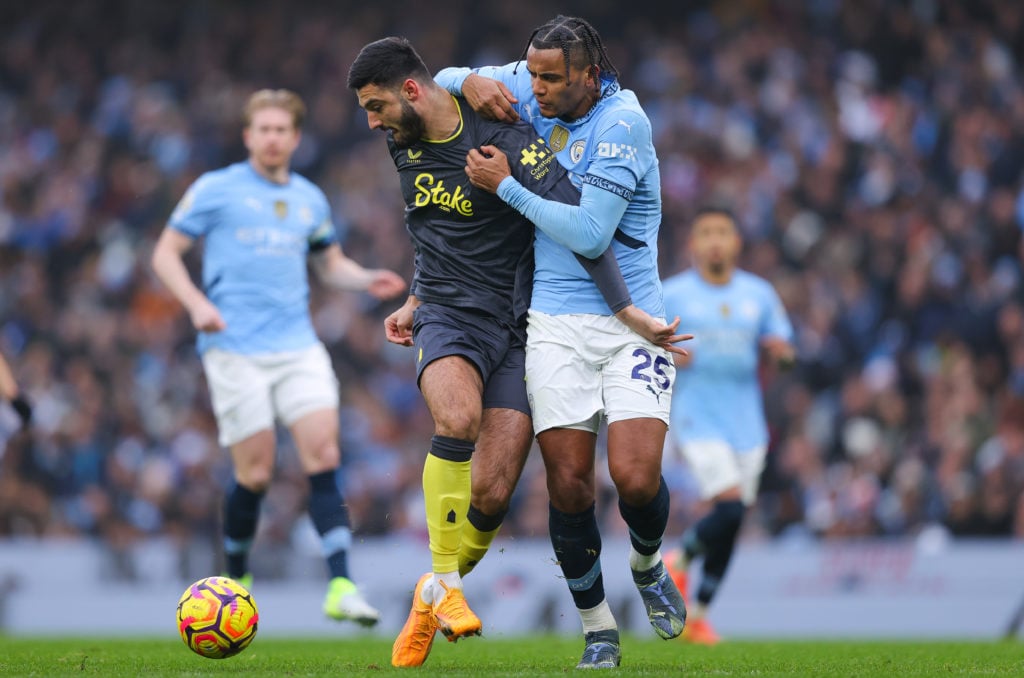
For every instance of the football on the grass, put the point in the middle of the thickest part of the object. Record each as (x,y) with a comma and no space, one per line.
(217,617)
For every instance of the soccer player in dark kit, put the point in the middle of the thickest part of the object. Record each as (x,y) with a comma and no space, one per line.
(466,316)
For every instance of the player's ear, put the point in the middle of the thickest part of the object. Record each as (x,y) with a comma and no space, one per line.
(410,89)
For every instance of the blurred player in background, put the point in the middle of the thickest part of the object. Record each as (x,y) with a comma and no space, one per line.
(717,413)
(10,392)
(582,364)
(466,316)
(262,359)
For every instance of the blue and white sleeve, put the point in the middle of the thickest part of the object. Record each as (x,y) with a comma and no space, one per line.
(587,229)
(451,78)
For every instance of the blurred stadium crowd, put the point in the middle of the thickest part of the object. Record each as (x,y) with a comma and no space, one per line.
(873,150)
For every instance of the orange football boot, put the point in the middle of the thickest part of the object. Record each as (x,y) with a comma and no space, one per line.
(699,632)
(412,646)
(453,616)
(674,566)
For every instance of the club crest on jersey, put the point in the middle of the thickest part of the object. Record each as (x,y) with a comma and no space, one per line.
(559,138)
(576,150)
(280,209)
(724,310)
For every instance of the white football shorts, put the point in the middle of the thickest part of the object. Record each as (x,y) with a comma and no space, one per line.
(717,467)
(581,366)
(250,391)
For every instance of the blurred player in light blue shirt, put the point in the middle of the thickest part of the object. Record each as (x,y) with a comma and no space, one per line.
(718,419)
(257,235)
(582,364)
(263,362)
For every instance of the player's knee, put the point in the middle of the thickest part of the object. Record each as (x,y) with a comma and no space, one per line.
(325,457)
(570,494)
(491,493)
(636,489)
(254,479)
(460,425)
(494,501)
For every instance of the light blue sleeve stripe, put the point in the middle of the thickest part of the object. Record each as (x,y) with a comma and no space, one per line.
(237,546)
(337,539)
(587,580)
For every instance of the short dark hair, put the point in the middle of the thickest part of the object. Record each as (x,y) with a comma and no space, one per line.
(387,63)
(705,210)
(580,43)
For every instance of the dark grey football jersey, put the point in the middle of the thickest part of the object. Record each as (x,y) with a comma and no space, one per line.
(472,249)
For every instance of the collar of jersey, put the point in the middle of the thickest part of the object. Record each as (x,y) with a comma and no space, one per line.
(259,177)
(458,128)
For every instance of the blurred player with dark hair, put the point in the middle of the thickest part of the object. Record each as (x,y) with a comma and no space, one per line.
(263,362)
(10,392)
(717,413)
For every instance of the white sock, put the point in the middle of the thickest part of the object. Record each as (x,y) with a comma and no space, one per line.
(427,592)
(638,562)
(450,579)
(597,618)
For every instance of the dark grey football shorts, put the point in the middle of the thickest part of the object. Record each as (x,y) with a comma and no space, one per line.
(497,350)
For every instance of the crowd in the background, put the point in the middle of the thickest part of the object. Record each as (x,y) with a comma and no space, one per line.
(873,151)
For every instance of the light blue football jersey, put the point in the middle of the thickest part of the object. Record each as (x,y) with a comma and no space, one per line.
(257,235)
(611,148)
(718,397)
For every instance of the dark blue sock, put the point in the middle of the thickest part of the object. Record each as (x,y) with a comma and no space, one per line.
(647,523)
(718,532)
(241,512)
(330,518)
(577,544)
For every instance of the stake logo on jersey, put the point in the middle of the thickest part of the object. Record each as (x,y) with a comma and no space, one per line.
(452,222)
(431,191)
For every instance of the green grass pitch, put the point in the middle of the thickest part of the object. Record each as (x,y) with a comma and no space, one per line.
(526,656)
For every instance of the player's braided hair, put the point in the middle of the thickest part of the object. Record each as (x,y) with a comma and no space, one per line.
(575,37)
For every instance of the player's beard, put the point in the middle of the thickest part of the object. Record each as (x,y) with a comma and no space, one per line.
(410,127)
(717,267)
(272,161)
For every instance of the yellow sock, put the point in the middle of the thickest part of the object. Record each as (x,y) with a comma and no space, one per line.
(474,546)
(446,490)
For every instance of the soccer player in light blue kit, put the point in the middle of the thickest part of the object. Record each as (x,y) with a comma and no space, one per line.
(261,356)
(581,361)
(717,413)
